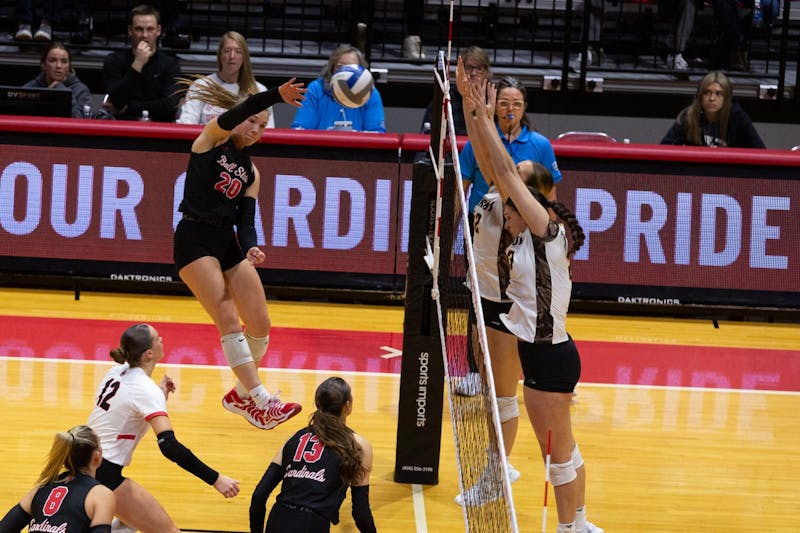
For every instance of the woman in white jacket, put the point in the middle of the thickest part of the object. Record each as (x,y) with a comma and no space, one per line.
(234,73)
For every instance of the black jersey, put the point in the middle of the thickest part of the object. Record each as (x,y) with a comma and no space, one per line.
(215,183)
(311,475)
(60,505)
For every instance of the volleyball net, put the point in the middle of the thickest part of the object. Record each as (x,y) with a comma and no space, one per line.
(439,294)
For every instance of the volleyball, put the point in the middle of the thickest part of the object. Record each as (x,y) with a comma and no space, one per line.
(352,85)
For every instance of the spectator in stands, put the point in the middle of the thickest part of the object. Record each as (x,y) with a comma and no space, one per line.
(234,73)
(51,14)
(320,110)
(175,35)
(593,29)
(361,26)
(414,13)
(57,73)
(714,119)
(476,64)
(143,78)
(729,52)
(682,30)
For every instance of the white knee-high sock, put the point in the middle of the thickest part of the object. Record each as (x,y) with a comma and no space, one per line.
(258,347)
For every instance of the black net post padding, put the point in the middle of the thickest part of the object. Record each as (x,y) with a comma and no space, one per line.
(419,416)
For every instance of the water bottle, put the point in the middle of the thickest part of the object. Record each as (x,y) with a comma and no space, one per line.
(758,15)
(145,116)
(87,111)
(342,125)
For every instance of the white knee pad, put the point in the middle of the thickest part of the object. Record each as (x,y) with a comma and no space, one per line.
(236,350)
(507,407)
(562,473)
(258,346)
(577,459)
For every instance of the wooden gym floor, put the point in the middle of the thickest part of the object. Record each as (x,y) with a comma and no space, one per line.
(683,425)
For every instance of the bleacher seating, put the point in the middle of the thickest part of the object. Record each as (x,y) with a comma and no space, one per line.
(519,34)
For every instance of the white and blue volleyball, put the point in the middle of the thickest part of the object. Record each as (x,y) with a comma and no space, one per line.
(352,85)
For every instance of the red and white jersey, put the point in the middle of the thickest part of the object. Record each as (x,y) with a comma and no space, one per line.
(126,399)
(489,242)
(540,288)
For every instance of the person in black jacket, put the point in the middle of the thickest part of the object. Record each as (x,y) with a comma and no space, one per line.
(67,497)
(714,119)
(143,78)
(315,467)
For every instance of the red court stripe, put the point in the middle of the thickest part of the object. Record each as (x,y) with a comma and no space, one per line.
(357,351)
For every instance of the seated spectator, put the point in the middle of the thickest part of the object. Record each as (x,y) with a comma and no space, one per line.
(320,110)
(234,73)
(477,67)
(593,31)
(730,50)
(143,78)
(173,17)
(713,119)
(51,13)
(57,73)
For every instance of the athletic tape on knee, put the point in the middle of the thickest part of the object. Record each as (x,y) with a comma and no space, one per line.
(236,350)
(562,473)
(508,408)
(577,459)
(258,346)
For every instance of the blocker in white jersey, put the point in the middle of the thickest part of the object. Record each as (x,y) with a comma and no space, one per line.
(541,300)
(489,241)
(539,288)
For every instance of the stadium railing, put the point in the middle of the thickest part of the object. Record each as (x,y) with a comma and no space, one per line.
(541,34)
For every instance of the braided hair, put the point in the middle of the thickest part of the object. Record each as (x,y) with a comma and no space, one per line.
(331,398)
(539,183)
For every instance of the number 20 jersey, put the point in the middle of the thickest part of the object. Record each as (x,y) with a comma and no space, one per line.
(125,401)
(216,181)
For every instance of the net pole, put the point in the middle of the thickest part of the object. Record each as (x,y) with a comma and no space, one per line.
(445,84)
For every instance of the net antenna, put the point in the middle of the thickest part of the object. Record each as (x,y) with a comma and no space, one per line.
(480,452)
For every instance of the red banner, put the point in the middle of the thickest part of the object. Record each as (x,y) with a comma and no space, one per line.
(693,219)
(116,205)
(686,231)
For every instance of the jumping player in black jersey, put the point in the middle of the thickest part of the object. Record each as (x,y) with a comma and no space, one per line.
(316,465)
(218,262)
(70,500)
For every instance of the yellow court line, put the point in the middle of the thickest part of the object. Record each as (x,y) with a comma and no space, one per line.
(389,318)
